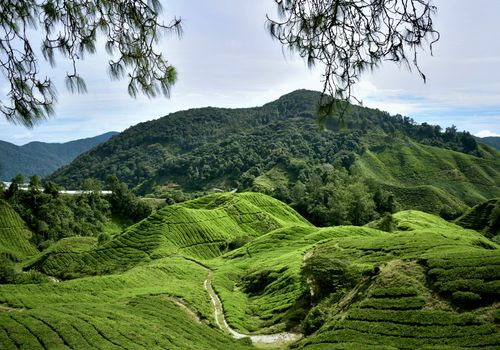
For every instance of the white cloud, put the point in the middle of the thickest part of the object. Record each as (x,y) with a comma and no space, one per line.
(486,133)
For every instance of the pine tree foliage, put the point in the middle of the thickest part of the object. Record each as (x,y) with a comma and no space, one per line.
(351,36)
(71,29)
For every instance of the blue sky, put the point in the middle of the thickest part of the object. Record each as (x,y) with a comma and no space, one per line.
(227,59)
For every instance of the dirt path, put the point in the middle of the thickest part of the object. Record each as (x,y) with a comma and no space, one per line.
(278,339)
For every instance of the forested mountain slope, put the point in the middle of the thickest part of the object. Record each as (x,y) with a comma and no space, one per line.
(279,149)
(42,158)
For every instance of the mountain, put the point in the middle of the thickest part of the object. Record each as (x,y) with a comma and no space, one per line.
(42,158)
(493,141)
(181,277)
(279,149)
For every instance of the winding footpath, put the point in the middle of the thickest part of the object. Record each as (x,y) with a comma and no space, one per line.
(220,319)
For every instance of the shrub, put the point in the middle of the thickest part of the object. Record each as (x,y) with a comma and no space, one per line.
(324,274)
(103,238)
(238,242)
(466,299)
(387,223)
(7,271)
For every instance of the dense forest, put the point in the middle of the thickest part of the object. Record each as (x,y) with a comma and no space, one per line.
(51,215)
(209,143)
(277,149)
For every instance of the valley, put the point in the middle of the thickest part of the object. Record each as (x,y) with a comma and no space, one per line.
(421,284)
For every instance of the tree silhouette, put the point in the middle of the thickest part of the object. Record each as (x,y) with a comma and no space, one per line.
(351,36)
(131,29)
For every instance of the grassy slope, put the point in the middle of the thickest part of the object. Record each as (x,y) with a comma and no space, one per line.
(399,307)
(424,177)
(278,255)
(480,216)
(198,229)
(136,309)
(14,234)
(428,268)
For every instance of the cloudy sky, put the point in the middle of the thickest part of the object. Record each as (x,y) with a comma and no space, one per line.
(227,59)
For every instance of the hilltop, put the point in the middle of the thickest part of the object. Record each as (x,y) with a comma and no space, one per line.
(423,283)
(43,158)
(279,149)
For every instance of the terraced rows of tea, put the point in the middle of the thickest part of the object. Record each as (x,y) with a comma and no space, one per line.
(397,312)
(422,245)
(14,235)
(470,278)
(428,284)
(427,178)
(482,217)
(200,229)
(146,322)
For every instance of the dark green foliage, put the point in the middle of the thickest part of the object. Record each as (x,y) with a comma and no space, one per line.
(42,158)
(278,149)
(238,242)
(124,203)
(52,189)
(16,182)
(324,274)
(52,216)
(384,201)
(386,223)
(103,238)
(484,217)
(256,282)
(332,197)
(465,299)
(7,271)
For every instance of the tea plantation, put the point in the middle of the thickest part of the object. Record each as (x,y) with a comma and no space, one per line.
(14,234)
(427,283)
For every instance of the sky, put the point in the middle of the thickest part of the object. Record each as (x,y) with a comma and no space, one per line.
(226,58)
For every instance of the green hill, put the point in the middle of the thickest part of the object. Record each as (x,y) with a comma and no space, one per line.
(484,217)
(42,158)
(200,229)
(427,284)
(14,234)
(271,149)
(429,178)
